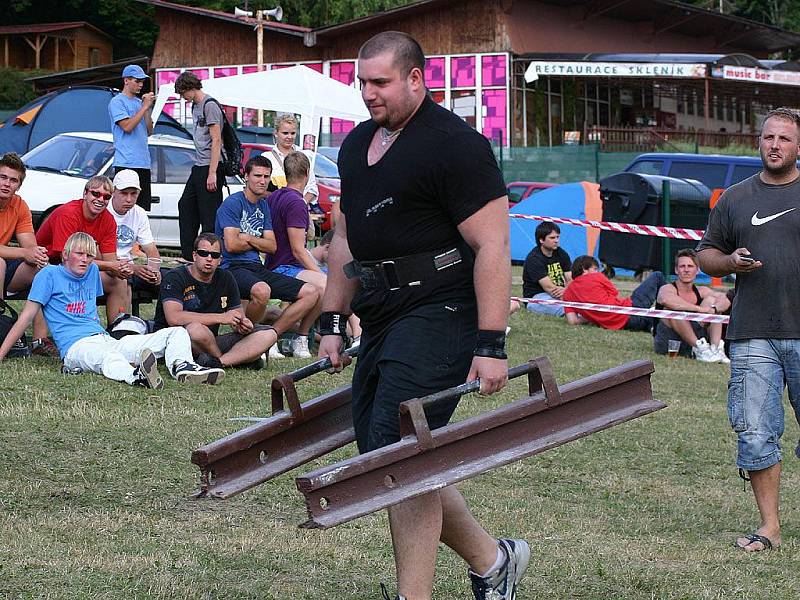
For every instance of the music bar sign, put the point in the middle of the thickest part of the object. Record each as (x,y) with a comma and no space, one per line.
(538,69)
(757,75)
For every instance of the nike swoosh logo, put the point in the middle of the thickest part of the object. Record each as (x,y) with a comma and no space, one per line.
(756,220)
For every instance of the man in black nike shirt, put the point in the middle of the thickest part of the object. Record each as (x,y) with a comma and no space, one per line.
(753,232)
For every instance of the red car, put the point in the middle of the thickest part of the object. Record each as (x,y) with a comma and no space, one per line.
(519,190)
(325,170)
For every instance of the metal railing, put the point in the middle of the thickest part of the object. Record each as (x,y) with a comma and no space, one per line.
(634,139)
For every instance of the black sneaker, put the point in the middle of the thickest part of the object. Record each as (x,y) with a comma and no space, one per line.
(206,360)
(502,583)
(188,372)
(146,372)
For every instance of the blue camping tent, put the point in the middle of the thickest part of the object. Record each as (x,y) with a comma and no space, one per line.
(571,200)
(78,108)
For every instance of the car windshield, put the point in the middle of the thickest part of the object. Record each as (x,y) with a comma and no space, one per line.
(325,167)
(69,155)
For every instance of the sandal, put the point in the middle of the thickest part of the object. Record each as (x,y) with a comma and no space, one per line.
(754,537)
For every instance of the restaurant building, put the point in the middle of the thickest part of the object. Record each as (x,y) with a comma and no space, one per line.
(528,72)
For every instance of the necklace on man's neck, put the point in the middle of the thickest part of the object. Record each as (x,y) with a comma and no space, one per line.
(389,136)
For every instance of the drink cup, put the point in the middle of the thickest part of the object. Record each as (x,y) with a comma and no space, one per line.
(154,264)
(673,348)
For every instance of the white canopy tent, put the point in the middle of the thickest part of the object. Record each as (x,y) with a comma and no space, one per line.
(297,90)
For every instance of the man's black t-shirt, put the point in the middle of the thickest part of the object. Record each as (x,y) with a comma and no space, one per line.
(537,266)
(217,296)
(438,172)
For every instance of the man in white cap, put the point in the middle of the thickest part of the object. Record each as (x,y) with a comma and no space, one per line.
(133,227)
(131,123)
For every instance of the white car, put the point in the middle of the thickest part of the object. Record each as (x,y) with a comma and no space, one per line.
(58,169)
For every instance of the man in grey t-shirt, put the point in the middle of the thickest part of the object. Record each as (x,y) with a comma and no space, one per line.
(197,208)
(753,232)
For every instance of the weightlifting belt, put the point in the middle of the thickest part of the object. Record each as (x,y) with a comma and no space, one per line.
(395,273)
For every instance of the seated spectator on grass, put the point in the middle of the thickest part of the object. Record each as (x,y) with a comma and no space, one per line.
(591,286)
(290,223)
(19,264)
(546,273)
(87,215)
(701,340)
(133,227)
(200,297)
(67,294)
(245,227)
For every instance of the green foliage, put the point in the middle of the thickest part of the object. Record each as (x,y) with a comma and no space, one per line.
(14,91)
(130,24)
(779,13)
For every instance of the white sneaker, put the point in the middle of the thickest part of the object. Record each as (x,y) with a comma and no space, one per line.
(723,358)
(274,353)
(704,352)
(300,347)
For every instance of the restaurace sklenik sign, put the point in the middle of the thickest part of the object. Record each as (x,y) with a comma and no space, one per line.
(537,69)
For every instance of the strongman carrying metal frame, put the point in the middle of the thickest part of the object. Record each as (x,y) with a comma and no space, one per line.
(423,460)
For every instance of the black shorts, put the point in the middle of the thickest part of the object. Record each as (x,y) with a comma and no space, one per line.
(426,351)
(226,341)
(12,264)
(247,274)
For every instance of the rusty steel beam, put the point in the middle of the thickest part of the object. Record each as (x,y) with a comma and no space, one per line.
(424,461)
(279,443)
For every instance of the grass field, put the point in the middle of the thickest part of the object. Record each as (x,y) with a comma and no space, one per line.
(95,483)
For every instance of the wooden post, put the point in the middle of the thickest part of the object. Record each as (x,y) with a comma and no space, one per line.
(260,54)
(57,41)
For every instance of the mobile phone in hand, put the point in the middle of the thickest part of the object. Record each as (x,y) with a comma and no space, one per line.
(749,258)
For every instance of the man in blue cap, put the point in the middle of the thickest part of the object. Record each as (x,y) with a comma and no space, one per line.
(131,123)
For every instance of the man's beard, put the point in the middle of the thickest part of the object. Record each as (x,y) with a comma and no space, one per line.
(779,171)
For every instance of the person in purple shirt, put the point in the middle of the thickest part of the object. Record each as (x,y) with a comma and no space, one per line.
(290,221)
(243,224)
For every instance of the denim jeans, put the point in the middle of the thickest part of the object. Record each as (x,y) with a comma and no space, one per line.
(643,297)
(545,309)
(760,368)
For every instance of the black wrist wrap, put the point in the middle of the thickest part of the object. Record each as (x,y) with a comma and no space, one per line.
(491,344)
(333,323)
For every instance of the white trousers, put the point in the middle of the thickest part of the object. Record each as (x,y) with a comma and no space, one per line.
(112,358)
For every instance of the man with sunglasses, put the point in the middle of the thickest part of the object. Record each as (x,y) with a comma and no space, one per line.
(200,297)
(88,215)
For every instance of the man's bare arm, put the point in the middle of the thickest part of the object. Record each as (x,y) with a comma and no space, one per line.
(339,292)
(718,264)
(176,316)
(486,232)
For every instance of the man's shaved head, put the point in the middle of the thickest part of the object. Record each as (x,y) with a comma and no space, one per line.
(405,49)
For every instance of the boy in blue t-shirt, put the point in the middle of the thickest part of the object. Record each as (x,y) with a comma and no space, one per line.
(67,294)
(131,124)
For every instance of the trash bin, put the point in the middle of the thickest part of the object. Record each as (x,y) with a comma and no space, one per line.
(636,198)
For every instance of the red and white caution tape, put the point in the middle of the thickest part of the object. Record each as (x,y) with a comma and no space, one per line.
(652,230)
(631,310)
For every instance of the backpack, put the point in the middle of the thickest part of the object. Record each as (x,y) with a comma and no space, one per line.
(232,152)
(125,324)
(20,349)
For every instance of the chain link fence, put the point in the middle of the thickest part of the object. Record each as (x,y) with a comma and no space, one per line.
(560,164)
